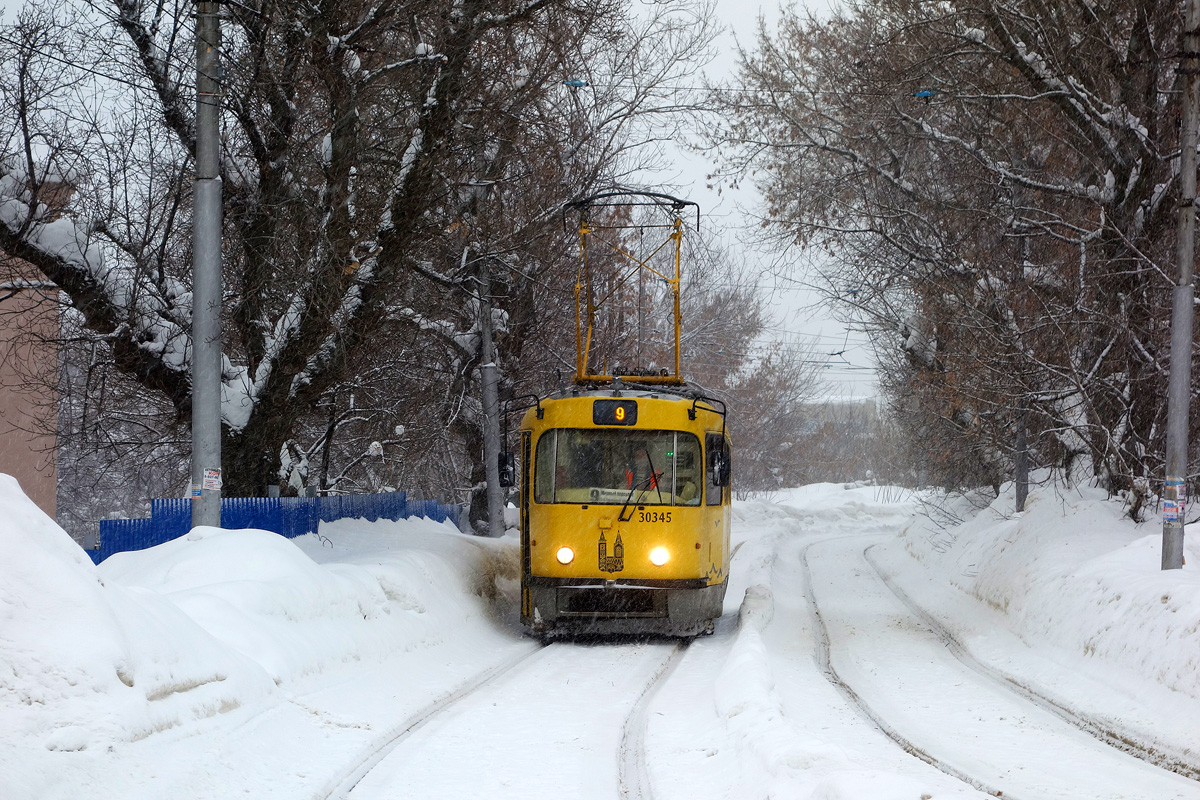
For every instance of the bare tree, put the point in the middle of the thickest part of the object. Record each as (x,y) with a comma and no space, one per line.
(768,411)
(994,183)
(377,157)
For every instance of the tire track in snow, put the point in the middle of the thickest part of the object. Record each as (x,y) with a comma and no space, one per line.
(633,778)
(827,669)
(342,784)
(1104,731)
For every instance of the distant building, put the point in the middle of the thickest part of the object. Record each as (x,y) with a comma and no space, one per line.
(855,411)
(29,333)
(28,380)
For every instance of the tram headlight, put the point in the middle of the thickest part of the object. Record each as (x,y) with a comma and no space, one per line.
(565,555)
(659,556)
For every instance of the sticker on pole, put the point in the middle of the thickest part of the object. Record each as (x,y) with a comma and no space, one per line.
(1175,489)
(1171,511)
(212,479)
(195,491)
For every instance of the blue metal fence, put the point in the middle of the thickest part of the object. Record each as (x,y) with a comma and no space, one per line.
(287,516)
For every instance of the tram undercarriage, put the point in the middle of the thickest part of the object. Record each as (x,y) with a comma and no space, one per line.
(568,607)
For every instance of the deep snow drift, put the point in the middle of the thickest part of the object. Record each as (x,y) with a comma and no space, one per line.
(238,661)
(202,635)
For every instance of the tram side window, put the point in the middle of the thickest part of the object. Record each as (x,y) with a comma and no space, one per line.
(713,443)
(688,478)
(543,475)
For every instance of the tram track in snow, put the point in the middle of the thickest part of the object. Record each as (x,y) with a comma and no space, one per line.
(1102,730)
(633,775)
(984,693)
(633,778)
(852,697)
(342,784)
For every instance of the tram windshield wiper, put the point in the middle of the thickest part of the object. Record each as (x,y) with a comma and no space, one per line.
(654,475)
(629,497)
(644,484)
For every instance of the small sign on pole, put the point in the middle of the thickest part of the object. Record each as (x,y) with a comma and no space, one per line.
(212,479)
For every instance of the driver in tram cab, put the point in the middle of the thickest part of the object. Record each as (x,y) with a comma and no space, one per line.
(640,474)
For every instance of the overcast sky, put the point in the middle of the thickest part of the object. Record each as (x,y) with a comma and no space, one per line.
(733,214)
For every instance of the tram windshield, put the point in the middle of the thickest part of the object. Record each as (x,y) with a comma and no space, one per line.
(618,466)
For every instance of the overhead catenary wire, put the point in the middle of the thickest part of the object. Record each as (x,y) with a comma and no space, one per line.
(75,65)
(619,85)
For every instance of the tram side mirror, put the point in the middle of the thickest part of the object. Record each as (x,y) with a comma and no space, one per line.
(508,469)
(721,468)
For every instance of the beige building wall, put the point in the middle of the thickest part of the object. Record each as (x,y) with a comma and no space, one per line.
(28,381)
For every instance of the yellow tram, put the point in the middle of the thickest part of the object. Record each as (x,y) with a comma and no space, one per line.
(624,513)
(624,485)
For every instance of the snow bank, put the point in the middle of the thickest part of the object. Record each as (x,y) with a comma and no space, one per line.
(745,697)
(261,596)
(96,660)
(774,750)
(86,662)
(1074,572)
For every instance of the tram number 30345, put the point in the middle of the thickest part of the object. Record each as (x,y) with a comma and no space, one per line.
(654,516)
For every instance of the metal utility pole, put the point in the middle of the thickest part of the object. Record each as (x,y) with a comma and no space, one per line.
(1021,456)
(1182,309)
(641,318)
(1021,461)
(206,274)
(491,415)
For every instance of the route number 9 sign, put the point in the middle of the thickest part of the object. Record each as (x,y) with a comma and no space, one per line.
(614,412)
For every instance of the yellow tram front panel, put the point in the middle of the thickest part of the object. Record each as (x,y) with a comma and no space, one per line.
(621,516)
(601,546)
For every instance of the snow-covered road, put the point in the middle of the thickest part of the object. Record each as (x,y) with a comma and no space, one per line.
(862,655)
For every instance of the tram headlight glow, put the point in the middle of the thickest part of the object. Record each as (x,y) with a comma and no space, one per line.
(565,555)
(659,556)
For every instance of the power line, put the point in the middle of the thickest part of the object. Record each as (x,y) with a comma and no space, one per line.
(80,67)
(743,89)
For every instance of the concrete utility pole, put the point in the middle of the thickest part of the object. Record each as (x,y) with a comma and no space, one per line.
(206,274)
(1182,309)
(1021,461)
(641,319)
(1021,455)
(491,414)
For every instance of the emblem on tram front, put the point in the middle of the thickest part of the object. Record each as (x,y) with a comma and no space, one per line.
(615,562)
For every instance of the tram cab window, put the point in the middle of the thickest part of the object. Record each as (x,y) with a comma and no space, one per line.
(543,484)
(713,489)
(606,466)
(688,479)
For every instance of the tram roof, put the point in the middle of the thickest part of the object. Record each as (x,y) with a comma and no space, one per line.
(681,392)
